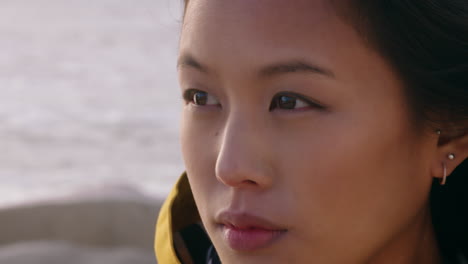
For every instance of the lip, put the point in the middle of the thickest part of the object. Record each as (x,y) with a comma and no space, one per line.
(246,232)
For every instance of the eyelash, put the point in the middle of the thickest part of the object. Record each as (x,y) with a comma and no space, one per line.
(189,94)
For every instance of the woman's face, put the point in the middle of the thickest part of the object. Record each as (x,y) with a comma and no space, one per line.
(296,135)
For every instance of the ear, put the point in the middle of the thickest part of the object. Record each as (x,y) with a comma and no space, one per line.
(449,143)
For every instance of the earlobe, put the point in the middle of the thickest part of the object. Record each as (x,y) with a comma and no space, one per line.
(450,154)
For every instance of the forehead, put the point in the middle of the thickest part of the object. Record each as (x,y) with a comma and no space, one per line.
(272,19)
(261,29)
(261,10)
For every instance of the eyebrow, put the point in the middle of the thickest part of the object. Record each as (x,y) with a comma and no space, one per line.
(292,66)
(189,61)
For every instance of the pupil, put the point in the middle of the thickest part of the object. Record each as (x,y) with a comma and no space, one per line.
(200,98)
(287,102)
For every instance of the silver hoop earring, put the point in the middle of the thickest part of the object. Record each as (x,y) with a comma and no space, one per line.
(450,156)
(444,179)
(438,131)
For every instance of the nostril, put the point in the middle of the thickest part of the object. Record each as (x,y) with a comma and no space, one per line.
(250,182)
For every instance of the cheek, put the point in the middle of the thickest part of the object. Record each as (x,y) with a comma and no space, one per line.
(350,184)
(197,137)
(197,133)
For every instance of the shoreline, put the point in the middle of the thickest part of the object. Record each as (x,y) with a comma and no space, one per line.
(108,229)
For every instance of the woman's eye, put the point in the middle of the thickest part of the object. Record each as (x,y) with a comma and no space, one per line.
(200,98)
(291,101)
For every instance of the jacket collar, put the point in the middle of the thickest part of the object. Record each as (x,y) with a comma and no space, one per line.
(177,213)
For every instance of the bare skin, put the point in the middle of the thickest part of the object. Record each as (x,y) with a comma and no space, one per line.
(344,173)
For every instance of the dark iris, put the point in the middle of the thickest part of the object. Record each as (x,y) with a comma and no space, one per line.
(287,102)
(200,98)
(283,102)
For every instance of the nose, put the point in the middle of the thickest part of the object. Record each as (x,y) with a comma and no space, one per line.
(243,159)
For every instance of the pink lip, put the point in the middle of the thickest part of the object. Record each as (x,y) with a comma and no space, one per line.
(245,232)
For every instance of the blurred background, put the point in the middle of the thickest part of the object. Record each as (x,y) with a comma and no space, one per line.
(89,116)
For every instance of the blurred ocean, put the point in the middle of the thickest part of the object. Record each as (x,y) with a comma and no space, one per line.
(88,97)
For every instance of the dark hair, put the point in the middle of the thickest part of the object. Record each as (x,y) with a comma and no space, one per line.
(426,42)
